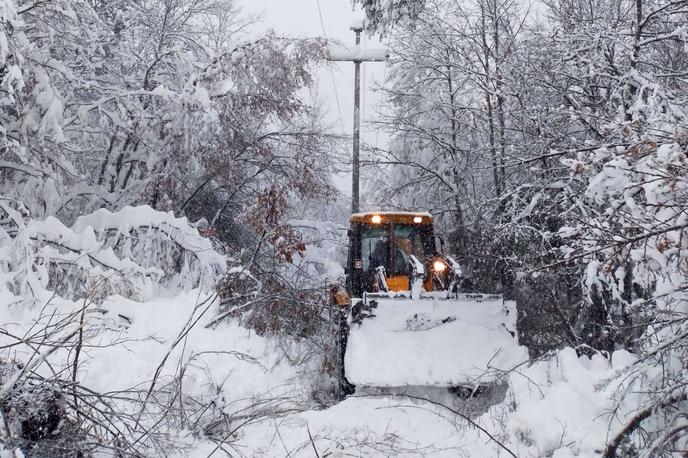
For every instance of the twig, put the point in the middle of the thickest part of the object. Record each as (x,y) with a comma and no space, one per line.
(77,352)
(187,328)
(310,437)
(635,422)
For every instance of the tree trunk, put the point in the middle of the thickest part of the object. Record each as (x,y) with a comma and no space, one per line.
(488,103)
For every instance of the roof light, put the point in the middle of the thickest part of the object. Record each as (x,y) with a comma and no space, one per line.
(376,219)
(417,219)
(439,266)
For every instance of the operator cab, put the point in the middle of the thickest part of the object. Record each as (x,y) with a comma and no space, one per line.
(389,240)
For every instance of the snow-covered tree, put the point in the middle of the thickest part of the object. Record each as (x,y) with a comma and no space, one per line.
(160,103)
(383,14)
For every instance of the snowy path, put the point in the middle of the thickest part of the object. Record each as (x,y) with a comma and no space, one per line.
(368,426)
(558,407)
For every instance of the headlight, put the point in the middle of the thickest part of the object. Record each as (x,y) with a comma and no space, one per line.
(376,219)
(439,266)
(417,219)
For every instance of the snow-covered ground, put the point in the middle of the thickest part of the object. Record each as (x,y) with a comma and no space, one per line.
(164,363)
(558,407)
(227,360)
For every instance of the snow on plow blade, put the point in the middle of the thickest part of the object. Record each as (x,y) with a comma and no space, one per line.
(466,340)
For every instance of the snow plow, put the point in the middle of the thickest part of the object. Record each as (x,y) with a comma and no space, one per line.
(405,327)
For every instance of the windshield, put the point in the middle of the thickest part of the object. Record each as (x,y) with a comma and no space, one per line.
(414,240)
(374,250)
(378,249)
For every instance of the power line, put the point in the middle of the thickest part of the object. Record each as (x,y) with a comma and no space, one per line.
(334,84)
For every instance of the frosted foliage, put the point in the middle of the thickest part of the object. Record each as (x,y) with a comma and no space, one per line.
(641,192)
(145,104)
(634,245)
(44,118)
(382,14)
(137,253)
(7,14)
(158,240)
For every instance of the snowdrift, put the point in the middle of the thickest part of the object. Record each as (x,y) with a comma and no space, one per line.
(560,407)
(112,322)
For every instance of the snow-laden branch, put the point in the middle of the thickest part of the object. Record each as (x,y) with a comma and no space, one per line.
(132,249)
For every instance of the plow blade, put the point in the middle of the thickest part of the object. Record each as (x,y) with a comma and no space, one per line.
(463,341)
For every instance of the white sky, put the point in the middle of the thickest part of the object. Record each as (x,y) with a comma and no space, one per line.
(300,18)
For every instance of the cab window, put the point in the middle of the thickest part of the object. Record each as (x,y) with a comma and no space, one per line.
(413,240)
(374,243)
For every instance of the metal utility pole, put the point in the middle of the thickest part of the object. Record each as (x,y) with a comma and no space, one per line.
(356,163)
(357,56)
